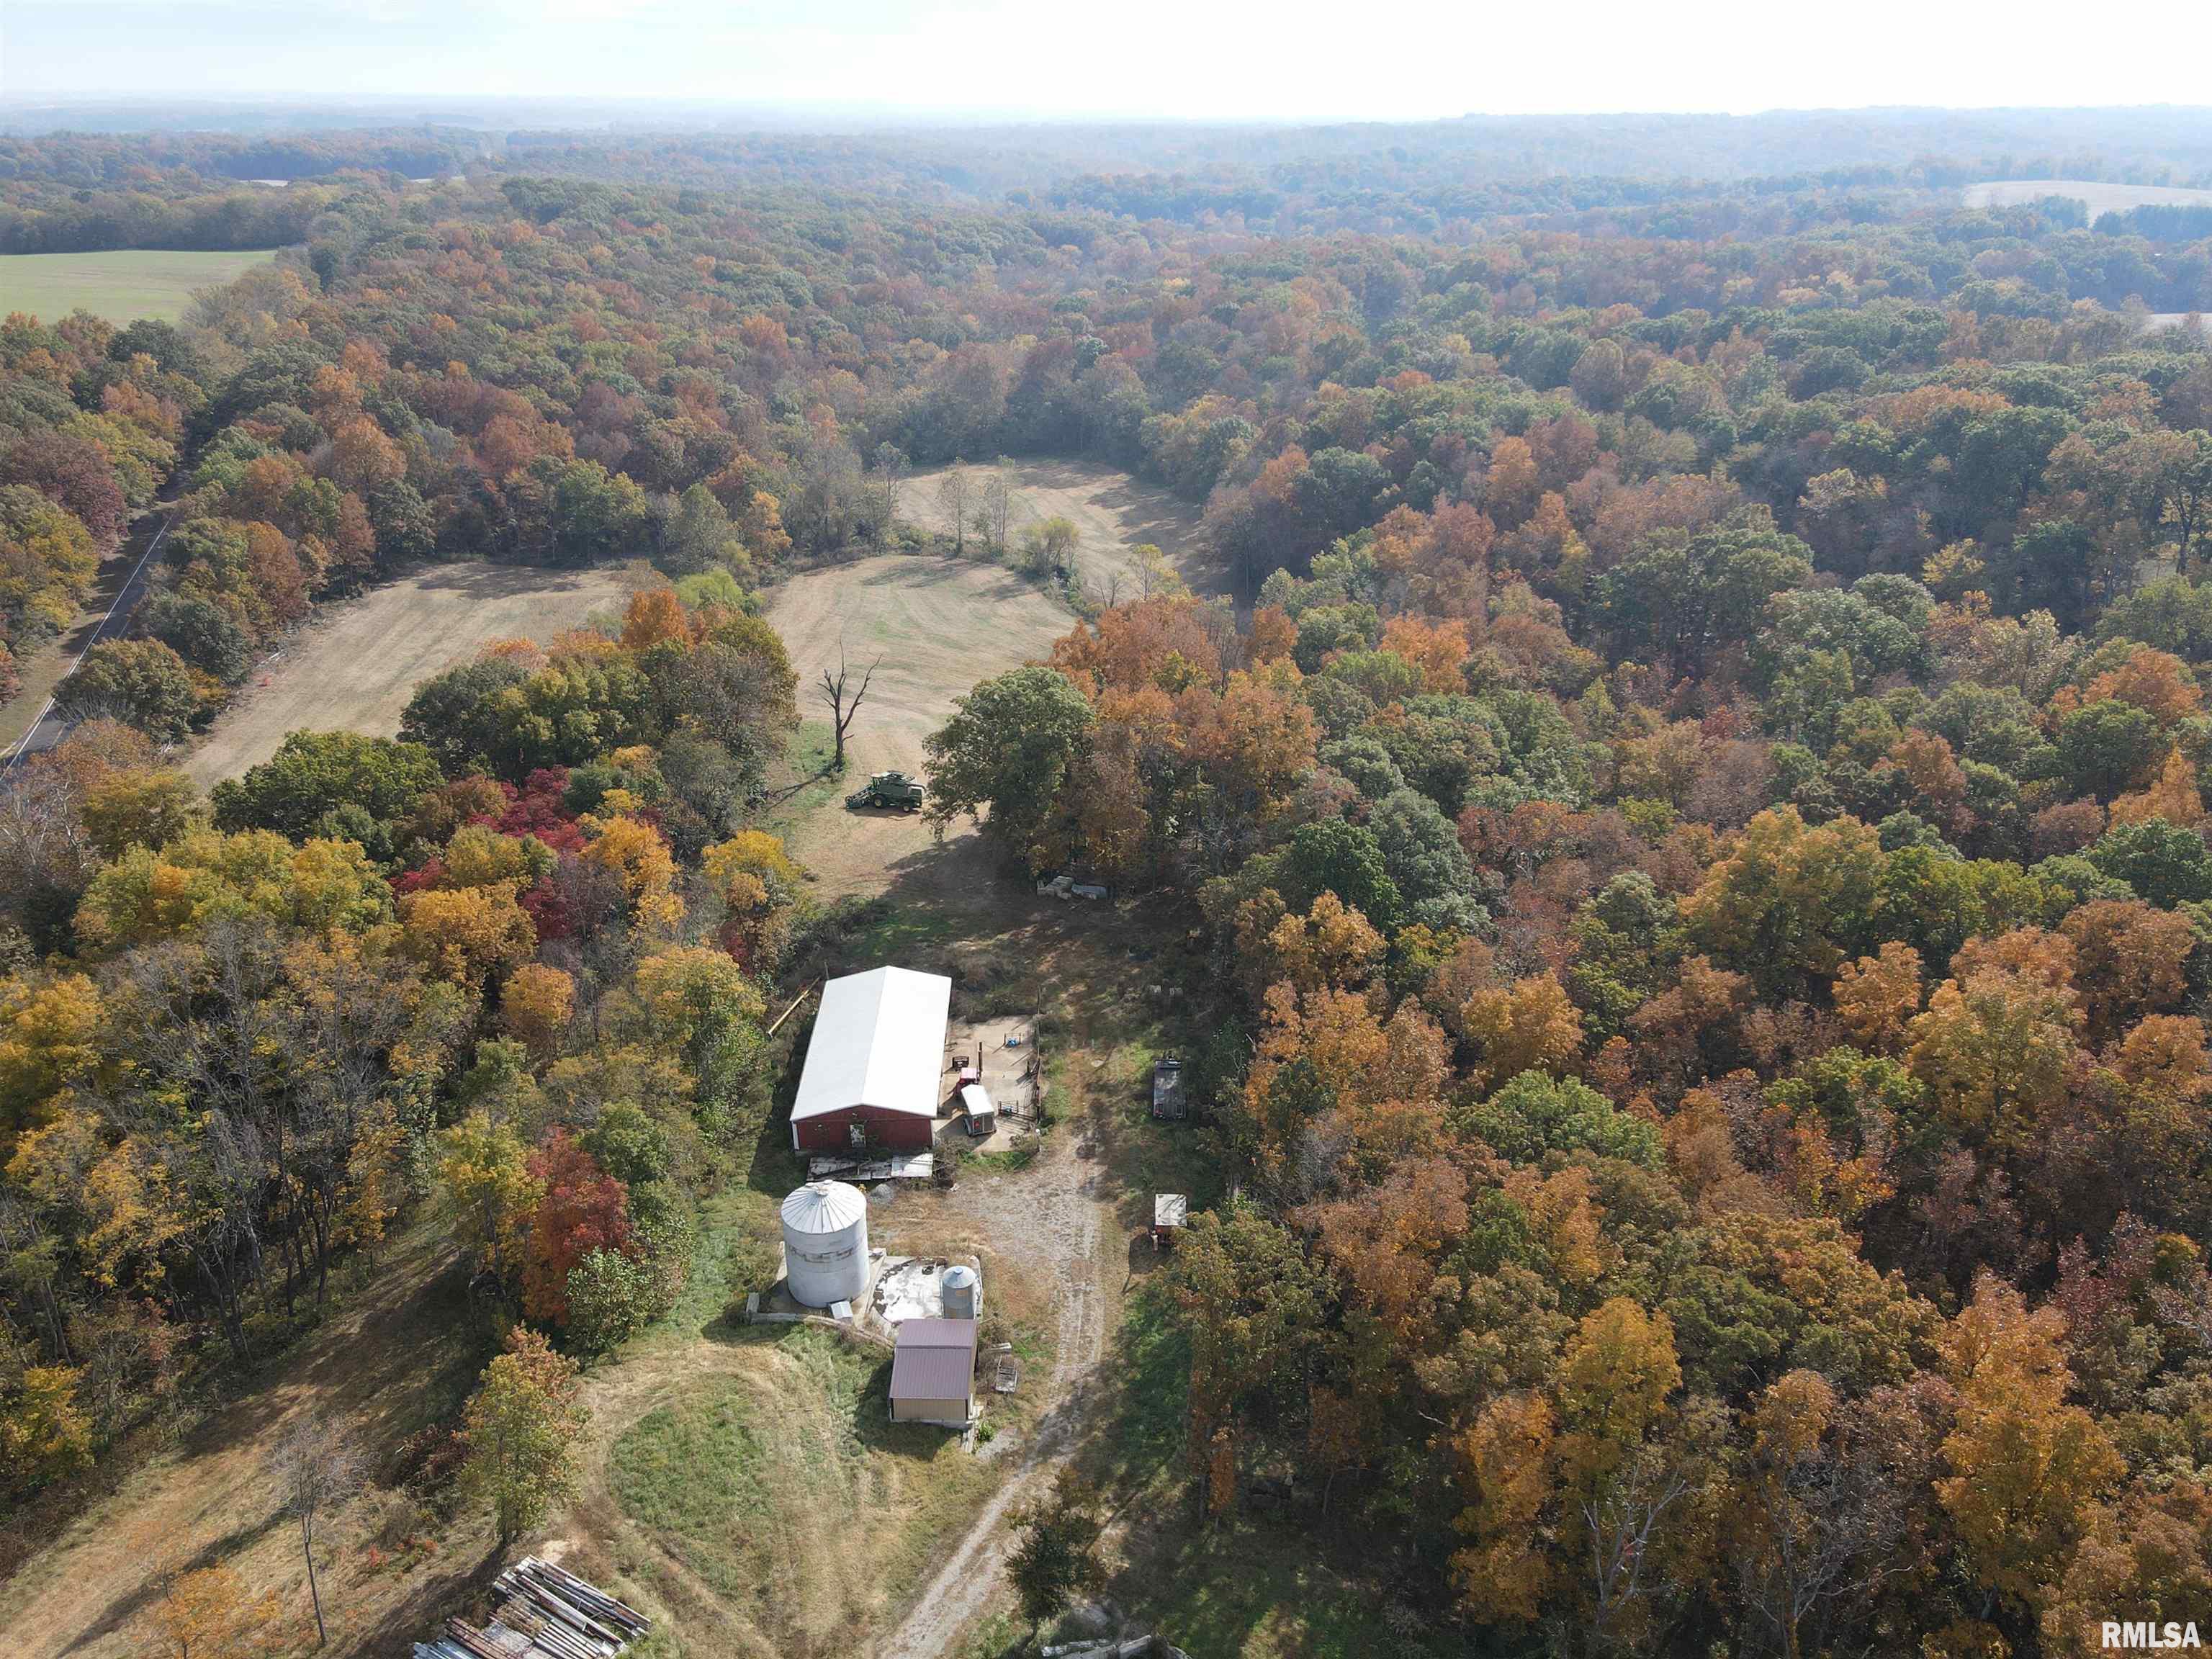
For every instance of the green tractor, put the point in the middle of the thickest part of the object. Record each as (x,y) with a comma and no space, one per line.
(894,790)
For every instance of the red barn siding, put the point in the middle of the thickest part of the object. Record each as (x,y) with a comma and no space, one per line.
(898,1131)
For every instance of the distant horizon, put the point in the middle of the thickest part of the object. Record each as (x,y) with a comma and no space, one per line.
(980,61)
(642,111)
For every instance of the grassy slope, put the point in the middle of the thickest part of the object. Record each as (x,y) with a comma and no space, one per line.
(121,285)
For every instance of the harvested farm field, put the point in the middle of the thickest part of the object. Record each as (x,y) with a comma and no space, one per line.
(354,668)
(934,626)
(2093,194)
(1111,511)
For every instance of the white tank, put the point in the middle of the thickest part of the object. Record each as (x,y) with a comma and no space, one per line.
(964,1296)
(825,1243)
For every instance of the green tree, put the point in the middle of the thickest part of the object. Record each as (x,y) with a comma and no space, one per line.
(1057,1552)
(142,683)
(521,1430)
(407,527)
(200,631)
(1252,1303)
(611,1299)
(1010,746)
(1535,1114)
(2162,862)
(1789,903)
(1345,859)
(1047,546)
(2108,747)
(1682,596)
(1422,856)
(315,773)
(699,536)
(465,716)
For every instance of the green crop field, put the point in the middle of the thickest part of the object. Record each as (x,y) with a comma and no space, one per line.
(120,286)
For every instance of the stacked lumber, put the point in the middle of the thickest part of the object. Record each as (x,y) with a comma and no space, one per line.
(543,1613)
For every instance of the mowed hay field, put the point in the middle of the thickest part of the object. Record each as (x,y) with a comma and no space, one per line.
(2097,196)
(933,627)
(121,285)
(1112,513)
(354,667)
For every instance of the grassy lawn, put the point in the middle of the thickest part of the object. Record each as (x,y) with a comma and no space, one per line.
(762,1481)
(737,1253)
(121,285)
(695,1472)
(885,930)
(804,784)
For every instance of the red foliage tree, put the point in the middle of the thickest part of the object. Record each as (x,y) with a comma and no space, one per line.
(583,1209)
(73,473)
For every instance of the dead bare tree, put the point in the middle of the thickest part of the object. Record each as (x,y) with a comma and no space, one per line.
(319,1468)
(953,493)
(999,502)
(890,478)
(842,706)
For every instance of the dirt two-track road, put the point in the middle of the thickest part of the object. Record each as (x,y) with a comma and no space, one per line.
(1058,1203)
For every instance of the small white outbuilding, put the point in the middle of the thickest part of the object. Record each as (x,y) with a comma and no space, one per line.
(975,1106)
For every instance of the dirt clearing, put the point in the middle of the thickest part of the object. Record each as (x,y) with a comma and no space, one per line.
(354,667)
(2097,196)
(933,627)
(1112,514)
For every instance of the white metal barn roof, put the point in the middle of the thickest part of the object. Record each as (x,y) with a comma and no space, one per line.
(878,1041)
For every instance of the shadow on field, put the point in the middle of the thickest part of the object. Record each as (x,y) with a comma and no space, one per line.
(499,581)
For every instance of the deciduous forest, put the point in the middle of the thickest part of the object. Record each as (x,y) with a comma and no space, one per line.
(1686,803)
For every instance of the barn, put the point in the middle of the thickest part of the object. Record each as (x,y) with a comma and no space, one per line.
(874,1063)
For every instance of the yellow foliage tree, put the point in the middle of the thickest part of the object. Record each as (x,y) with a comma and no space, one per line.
(47,1043)
(2027,1471)
(1505,1469)
(43,1434)
(634,852)
(486,1189)
(654,616)
(210,1614)
(1877,996)
(1531,1026)
(760,884)
(1332,945)
(466,935)
(2173,795)
(537,1005)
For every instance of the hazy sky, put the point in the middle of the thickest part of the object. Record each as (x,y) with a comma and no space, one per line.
(1188,59)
